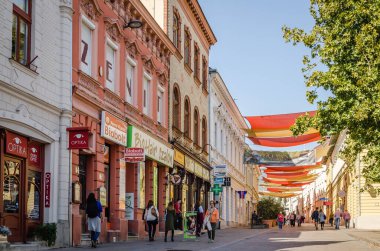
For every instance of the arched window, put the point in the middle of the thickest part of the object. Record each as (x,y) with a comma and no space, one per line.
(204,133)
(176,107)
(187,118)
(176,30)
(196,126)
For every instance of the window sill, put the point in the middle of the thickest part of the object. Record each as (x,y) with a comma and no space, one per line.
(23,68)
(188,69)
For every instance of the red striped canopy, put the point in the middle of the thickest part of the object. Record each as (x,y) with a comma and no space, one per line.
(287,175)
(291,168)
(286,183)
(286,141)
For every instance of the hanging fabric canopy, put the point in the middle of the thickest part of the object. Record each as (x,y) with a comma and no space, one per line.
(281,195)
(301,178)
(288,182)
(284,189)
(292,168)
(285,175)
(294,184)
(275,133)
(286,141)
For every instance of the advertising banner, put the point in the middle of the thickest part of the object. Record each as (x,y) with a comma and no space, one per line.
(190,225)
(113,129)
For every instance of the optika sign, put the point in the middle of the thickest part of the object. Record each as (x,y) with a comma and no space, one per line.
(114,129)
(78,137)
(16,145)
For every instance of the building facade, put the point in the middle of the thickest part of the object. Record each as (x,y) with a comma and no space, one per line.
(227,127)
(120,97)
(35,109)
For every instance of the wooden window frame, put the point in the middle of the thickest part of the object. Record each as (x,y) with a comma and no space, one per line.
(204,133)
(204,73)
(187,47)
(176,113)
(187,118)
(196,61)
(196,126)
(27,18)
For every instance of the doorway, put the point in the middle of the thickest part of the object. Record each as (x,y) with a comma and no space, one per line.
(82,181)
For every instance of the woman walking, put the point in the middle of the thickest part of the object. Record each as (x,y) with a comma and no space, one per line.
(178,215)
(212,215)
(94,214)
(346,218)
(322,218)
(169,220)
(280,220)
(151,217)
(337,216)
(199,209)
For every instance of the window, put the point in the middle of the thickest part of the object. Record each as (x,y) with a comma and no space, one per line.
(196,61)
(216,135)
(86,45)
(33,201)
(176,31)
(187,49)
(196,126)
(176,107)
(21,29)
(160,109)
(221,141)
(111,49)
(187,118)
(204,72)
(204,133)
(130,88)
(146,94)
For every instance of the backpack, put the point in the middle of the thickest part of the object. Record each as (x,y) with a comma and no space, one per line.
(153,212)
(92,210)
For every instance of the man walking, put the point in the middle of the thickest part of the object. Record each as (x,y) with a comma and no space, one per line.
(337,216)
(346,218)
(315,217)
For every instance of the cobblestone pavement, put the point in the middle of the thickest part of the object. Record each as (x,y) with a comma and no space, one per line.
(297,238)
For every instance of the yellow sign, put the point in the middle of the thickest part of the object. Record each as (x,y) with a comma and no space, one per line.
(206,174)
(179,157)
(189,164)
(198,170)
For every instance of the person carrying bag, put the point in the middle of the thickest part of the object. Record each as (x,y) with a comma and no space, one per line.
(151,217)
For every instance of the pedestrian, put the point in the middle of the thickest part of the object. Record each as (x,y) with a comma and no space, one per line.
(280,220)
(331,219)
(212,215)
(337,216)
(298,219)
(315,217)
(94,215)
(151,217)
(178,214)
(293,217)
(255,217)
(169,220)
(200,217)
(322,218)
(346,218)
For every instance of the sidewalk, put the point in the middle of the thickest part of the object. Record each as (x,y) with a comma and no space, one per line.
(370,236)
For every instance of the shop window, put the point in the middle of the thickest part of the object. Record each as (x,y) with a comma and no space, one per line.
(34,195)
(21,31)
(11,187)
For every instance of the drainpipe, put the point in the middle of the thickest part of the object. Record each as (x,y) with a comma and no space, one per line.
(360,201)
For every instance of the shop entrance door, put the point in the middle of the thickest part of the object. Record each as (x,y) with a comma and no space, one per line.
(13,194)
(82,181)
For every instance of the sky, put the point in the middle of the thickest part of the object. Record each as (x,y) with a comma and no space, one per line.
(261,71)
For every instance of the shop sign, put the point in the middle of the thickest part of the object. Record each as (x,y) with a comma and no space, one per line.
(34,154)
(103,196)
(341,193)
(113,129)
(16,145)
(129,206)
(179,157)
(216,189)
(220,170)
(134,155)
(153,148)
(219,181)
(189,164)
(206,174)
(47,189)
(175,179)
(327,203)
(198,170)
(78,137)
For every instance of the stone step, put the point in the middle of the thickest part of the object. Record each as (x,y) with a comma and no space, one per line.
(35,245)
(85,240)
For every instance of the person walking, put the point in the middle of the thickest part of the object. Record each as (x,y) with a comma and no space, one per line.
(331,219)
(346,218)
(298,219)
(178,215)
(169,220)
(255,218)
(200,217)
(322,218)
(280,220)
(94,215)
(212,215)
(315,217)
(151,217)
(337,216)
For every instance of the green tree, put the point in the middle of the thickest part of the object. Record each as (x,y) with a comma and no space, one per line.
(268,208)
(344,41)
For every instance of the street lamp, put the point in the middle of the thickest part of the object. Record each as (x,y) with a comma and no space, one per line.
(133,24)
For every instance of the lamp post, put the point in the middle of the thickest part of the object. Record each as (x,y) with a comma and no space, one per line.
(133,24)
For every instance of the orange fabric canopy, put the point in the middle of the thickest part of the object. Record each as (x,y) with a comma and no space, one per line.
(286,183)
(281,195)
(270,169)
(286,141)
(284,189)
(285,175)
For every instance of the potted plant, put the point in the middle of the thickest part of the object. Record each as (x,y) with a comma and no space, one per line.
(4,233)
(268,209)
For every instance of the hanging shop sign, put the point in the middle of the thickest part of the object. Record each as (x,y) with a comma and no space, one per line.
(34,154)
(113,129)
(218,181)
(153,148)
(47,189)
(175,179)
(134,155)
(206,174)
(78,137)
(220,170)
(327,203)
(16,145)
(179,157)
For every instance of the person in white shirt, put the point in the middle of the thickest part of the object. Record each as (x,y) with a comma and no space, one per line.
(151,218)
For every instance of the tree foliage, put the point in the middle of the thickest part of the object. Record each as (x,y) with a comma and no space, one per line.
(268,208)
(346,41)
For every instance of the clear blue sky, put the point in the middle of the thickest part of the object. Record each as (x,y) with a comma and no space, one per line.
(262,72)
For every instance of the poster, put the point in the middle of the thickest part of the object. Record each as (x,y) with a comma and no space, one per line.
(122,186)
(129,206)
(141,185)
(190,225)
(280,158)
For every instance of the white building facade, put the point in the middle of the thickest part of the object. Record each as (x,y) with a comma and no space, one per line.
(35,110)
(227,142)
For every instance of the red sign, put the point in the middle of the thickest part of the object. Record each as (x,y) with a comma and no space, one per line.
(327,203)
(47,189)
(16,145)
(78,137)
(134,154)
(34,154)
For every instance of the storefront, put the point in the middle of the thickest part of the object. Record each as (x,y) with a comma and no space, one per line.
(148,180)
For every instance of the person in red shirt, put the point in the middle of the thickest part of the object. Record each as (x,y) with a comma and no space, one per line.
(280,220)
(178,213)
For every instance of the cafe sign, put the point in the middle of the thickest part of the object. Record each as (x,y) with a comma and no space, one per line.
(16,145)
(179,157)
(113,129)
(153,148)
